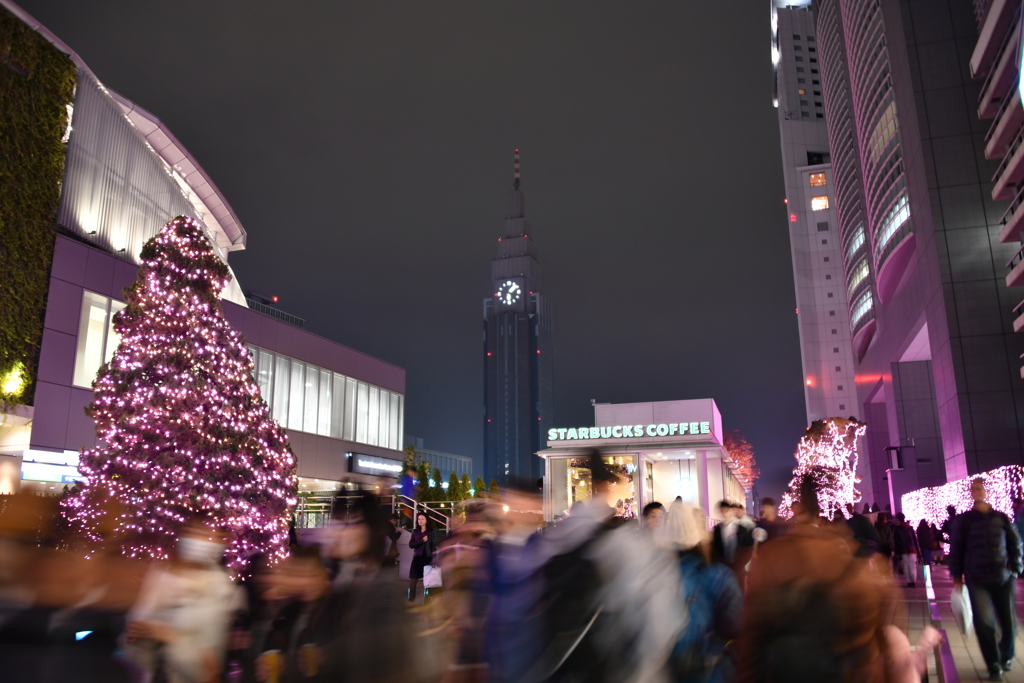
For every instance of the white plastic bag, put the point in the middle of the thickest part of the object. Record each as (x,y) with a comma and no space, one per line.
(431,576)
(960,603)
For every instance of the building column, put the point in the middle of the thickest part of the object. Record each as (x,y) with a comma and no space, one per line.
(702,482)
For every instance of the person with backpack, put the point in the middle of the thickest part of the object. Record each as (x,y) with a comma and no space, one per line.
(985,554)
(604,602)
(814,611)
(713,602)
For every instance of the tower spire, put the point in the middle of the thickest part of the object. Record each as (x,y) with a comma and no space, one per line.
(515,176)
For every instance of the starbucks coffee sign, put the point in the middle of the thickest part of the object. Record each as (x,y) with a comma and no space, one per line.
(630,431)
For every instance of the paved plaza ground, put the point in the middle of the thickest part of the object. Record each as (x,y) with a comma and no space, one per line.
(969,663)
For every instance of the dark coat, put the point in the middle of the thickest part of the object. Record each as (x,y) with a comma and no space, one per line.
(905,539)
(865,534)
(985,549)
(422,543)
(744,547)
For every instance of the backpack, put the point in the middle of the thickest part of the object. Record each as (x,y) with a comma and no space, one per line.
(694,656)
(568,611)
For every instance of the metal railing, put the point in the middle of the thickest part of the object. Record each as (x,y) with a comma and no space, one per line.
(945,665)
(981,8)
(276,313)
(316,508)
(1013,261)
(1010,151)
(1007,99)
(1010,35)
(1014,205)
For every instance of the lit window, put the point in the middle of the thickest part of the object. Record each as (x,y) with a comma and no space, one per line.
(856,242)
(860,271)
(897,216)
(802,91)
(884,131)
(819,203)
(862,306)
(97,339)
(319,401)
(817,180)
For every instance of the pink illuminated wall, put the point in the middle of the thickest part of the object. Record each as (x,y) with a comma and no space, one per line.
(1003,484)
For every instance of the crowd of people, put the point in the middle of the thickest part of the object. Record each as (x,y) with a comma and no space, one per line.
(591,599)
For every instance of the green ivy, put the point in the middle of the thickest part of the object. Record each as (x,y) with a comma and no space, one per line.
(37,81)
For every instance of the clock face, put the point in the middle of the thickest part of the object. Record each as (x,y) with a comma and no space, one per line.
(509,292)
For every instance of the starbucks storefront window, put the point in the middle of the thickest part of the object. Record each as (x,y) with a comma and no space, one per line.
(571,482)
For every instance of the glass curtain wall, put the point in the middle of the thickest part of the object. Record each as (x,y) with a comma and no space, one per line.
(310,399)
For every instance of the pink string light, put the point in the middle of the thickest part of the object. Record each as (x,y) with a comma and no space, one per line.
(832,460)
(180,418)
(1003,484)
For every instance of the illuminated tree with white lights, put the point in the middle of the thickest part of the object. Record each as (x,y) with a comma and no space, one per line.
(827,455)
(182,426)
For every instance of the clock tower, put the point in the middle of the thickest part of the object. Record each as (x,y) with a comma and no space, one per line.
(517,355)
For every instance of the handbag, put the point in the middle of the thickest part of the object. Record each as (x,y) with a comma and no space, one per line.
(432,576)
(960,604)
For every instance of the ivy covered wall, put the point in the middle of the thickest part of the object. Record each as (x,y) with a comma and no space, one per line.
(37,82)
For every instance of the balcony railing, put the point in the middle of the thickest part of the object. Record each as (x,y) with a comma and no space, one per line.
(981,8)
(276,313)
(1006,234)
(1014,146)
(1016,258)
(1010,36)
(999,114)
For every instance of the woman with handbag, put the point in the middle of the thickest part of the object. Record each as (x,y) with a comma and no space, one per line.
(423,549)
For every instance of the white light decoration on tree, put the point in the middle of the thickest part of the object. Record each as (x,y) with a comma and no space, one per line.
(830,459)
(182,427)
(1004,486)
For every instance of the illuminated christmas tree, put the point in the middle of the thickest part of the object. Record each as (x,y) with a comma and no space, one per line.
(827,455)
(182,426)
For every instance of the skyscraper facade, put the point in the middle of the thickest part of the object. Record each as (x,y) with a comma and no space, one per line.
(517,354)
(821,291)
(930,317)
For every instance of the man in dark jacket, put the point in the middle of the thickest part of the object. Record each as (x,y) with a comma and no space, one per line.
(732,543)
(905,542)
(986,555)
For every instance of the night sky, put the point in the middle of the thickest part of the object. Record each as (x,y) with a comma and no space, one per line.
(367,149)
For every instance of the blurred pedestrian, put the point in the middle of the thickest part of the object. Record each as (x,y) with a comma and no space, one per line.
(924,541)
(947,526)
(177,630)
(733,543)
(295,647)
(24,617)
(465,604)
(885,542)
(986,556)
(606,598)
(906,548)
(863,531)
(713,604)
(654,517)
(769,520)
(423,549)
(814,611)
(938,549)
(392,533)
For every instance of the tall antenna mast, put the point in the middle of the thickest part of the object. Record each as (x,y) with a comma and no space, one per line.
(515,182)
